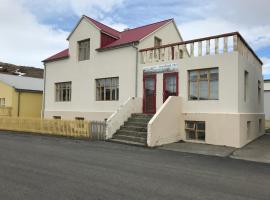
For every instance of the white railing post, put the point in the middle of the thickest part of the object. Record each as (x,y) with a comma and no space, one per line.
(200,48)
(225,47)
(207,47)
(217,46)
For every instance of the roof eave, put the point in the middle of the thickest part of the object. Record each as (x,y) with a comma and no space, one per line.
(117,46)
(83,17)
(28,90)
(55,59)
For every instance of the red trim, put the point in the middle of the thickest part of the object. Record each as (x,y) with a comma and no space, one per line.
(154,76)
(164,83)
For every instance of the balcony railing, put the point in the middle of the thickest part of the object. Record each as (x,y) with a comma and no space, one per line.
(218,44)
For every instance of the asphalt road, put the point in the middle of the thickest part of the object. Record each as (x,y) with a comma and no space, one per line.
(36,167)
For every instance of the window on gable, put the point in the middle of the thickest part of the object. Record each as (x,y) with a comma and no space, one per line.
(158,42)
(84,50)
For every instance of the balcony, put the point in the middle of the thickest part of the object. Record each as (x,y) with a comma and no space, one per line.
(214,45)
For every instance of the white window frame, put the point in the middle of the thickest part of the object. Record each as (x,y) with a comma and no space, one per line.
(84,50)
(102,89)
(198,82)
(63,91)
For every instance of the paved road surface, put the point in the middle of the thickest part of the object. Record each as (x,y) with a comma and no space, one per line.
(47,168)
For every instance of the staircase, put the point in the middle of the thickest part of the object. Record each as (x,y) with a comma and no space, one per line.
(134,130)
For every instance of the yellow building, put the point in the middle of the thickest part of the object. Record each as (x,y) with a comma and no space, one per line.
(20,96)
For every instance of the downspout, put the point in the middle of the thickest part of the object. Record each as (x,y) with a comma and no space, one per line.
(43,94)
(136,69)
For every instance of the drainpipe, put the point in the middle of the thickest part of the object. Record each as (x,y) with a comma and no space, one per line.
(136,72)
(43,99)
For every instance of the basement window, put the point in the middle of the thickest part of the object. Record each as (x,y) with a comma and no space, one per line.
(195,130)
(260,126)
(80,119)
(57,117)
(248,129)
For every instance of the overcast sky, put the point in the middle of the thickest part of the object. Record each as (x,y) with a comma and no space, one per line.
(32,30)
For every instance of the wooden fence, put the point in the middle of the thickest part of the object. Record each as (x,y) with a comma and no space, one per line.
(68,128)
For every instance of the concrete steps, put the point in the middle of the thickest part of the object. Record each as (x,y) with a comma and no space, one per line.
(134,130)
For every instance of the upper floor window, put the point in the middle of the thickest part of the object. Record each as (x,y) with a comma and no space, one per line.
(107,89)
(203,84)
(259,91)
(63,91)
(2,102)
(246,85)
(84,50)
(158,42)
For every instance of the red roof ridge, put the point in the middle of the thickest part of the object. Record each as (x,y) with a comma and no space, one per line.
(130,29)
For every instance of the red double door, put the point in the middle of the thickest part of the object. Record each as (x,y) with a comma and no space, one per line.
(170,88)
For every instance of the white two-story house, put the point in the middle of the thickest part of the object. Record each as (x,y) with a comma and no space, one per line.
(153,88)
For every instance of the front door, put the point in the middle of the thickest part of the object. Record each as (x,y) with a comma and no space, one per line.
(170,85)
(149,97)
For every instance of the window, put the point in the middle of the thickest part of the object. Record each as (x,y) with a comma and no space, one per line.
(259,91)
(107,89)
(79,118)
(57,117)
(84,50)
(246,85)
(81,124)
(203,84)
(195,130)
(260,126)
(248,129)
(2,102)
(63,91)
(158,42)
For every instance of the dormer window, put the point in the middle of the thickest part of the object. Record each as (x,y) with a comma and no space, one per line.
(84,50)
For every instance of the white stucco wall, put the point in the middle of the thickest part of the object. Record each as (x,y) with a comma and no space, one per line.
(226,118)
(120,62)
(117,63)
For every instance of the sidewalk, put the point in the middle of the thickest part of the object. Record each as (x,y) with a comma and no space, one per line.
(258,150)
(204,149)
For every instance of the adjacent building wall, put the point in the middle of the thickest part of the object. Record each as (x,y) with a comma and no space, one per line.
(267,99)
(30,104)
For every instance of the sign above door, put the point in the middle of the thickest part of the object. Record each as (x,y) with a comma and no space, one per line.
(164,68)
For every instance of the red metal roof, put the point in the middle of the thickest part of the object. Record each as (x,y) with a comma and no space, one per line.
(62,54)
(105,28)
(125,37)
(136,34)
